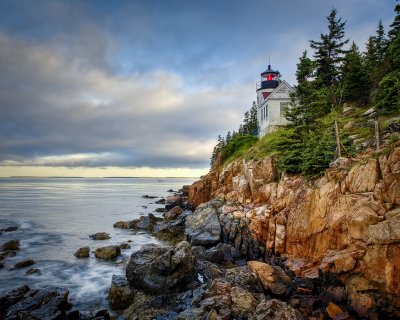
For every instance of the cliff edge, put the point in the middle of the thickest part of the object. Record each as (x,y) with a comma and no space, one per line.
(345,224)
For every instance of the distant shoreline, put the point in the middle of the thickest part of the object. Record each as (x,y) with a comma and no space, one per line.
(62,177)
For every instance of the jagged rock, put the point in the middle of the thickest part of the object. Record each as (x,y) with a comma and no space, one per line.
(222,252)
(344,222)
(173,213)
(121,225)
(173,201)
(32,271)
(109,252)
(147,222)
(385,232)
(23,303)
(341,163)
(82,252)
(146,196)
(193,313)
(126,224)
(202,226)
(5,254)
(200,192)
(172,231)
(124,245)
(370,113)
(10,245)
(218,297)
(185,190)
(243,302)
(24,263)
(120,296)
(363,304)
(156,269)
(244,277)
(10,298)
(275,310)
(87,315)
(207,271)
(272,277)
(9,229)
(335,312)
(100,236)
(161,201)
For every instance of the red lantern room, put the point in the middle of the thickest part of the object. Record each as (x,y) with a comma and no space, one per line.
(269,79)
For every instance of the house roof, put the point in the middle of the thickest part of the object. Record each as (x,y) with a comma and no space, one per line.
(282,84)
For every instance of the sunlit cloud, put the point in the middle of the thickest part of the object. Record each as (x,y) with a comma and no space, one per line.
(138,85)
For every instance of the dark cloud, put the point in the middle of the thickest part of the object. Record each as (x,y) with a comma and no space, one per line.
(145,83)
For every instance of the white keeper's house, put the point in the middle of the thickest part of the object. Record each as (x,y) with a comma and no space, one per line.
(273,95)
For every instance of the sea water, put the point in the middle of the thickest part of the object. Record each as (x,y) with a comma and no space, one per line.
(55,217)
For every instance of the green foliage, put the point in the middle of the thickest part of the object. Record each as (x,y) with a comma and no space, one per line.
(243,139)
(328,52)
(354,79)
(309,155)
(394,32)
(387,97)
(318,152)
(324,84)
(238,145)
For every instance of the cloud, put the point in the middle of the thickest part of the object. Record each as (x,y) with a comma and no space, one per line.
(146,83)
(53,113)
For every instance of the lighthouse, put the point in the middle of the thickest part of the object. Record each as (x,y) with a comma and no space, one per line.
(273,96)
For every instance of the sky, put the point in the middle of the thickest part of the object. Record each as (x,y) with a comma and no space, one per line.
(143,88)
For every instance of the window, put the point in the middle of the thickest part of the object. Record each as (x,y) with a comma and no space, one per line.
(266,112)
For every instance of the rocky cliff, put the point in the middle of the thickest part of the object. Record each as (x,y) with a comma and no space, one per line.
(345,224)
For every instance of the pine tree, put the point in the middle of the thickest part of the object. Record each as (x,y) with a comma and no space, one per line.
(299,112)
(354,76)
(395,26)
(387,96)
(329,51)
(228,137)
(380,43)
(253,123)
(246,122)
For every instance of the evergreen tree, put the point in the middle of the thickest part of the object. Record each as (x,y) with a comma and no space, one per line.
(370,55)
(246,122)
(300,113)
(241,130)
(354,78)
(380,43)
(253,123)
(329,51)
(214,156)
(228,137)
(387,96)
(395,26)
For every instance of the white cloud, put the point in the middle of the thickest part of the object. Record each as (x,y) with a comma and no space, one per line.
(60,114)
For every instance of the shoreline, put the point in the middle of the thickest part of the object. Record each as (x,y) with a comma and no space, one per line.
(213,265)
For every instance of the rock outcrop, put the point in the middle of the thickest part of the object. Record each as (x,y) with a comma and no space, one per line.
(49,303)
(156,269)
(345,224)
(108,252)
(202,226)
(82,252)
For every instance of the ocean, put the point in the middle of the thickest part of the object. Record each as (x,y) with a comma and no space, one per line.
(55,217)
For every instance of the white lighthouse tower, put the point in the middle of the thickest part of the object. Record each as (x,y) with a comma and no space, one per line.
(273,96)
